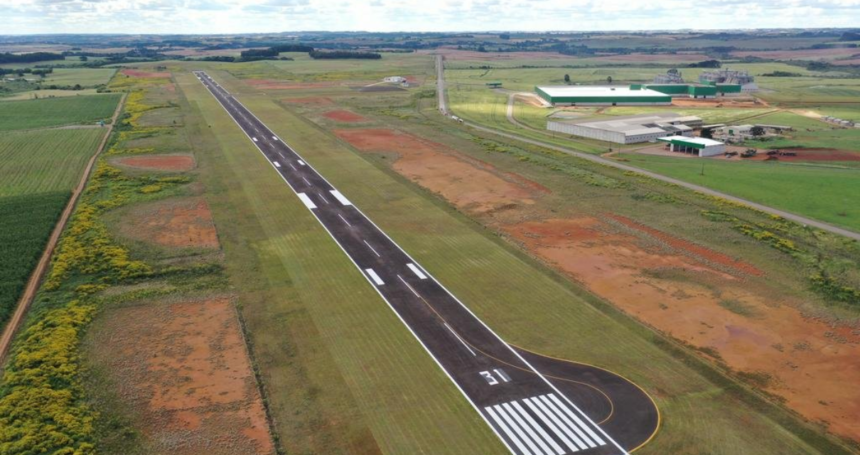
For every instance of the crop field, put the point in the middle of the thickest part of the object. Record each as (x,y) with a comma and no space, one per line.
(43,113)
(819,192)
(26,223)
(45,161)
(48,93)
(85,77)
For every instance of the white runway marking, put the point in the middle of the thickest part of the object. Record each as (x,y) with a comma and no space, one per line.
(323,198)
(277,164)
(255,139)
(291,165)
(301,162)
(274,138)
(306,181)
(308,202)
(416,271)
(340,197)
(541,423)
(410,287)
(460,339)
(374,277)
(344,219)
(371,249)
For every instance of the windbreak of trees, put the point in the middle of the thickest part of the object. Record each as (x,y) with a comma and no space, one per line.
(9,57)
(275,50)
(344,55)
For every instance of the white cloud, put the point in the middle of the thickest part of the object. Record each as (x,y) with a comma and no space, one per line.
(255,16)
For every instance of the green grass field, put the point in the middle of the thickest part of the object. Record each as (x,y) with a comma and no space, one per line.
(26,223)
(809,133)
(85,77)
(44,161)
(822,193)
(42,113)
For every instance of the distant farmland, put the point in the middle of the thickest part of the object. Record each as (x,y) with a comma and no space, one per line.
(76,110)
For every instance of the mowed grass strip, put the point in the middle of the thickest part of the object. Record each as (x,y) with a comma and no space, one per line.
(823,193)
(525,306)
(43,161)
(343,374)
(74,110)
(26,223)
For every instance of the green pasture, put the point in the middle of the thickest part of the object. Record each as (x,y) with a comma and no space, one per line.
(827,194)
(85,77)
(56,111)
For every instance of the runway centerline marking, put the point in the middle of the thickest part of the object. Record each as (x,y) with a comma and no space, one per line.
(323,198)
(291,165)
(344,220)
(374,277)
(374,251)
(306,181)
(416,271)
(459,339)
(410,288)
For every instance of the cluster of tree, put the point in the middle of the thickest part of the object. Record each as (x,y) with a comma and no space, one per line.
(850,36)
(274,51)
(782,74)
(9,57)
(219,58)
(22,71)
(344,55)
(818,66)
(706,64)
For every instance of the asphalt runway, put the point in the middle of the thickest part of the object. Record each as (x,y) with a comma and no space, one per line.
(571,408)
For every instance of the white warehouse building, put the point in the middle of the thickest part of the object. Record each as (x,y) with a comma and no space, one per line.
(695,145)
(629,129)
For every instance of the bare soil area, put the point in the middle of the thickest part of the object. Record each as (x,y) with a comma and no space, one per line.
(432,165)
(177,223)
(176,163)
(805,361)
(344,116)
(740,101)
(183,369)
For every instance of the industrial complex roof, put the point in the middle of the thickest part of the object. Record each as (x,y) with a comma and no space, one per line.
(691,140)
(600,90)
(637,124)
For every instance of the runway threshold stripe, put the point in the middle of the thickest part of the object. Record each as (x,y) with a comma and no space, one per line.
(502,412)
(553,423)
(277,164)
(568,423)
(416,271)
(578,420)
(525,426)
(540,431)
(374,277)
(340,197)
(507,431)
(308,202)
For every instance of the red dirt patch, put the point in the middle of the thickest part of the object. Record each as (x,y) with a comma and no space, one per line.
(314,100)
(707,254)
(809,361)
(467,185)
(344,116)
(148,74)
(178,223)
(184,369)
(159,162)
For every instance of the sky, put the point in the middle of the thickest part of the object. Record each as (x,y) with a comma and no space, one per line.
(266,16)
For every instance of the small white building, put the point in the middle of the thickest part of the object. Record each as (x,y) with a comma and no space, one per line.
(694,145)
(395,80)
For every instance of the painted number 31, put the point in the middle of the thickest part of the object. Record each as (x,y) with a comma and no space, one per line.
(491,378)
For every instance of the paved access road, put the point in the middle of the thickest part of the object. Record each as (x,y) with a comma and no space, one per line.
(531,414)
